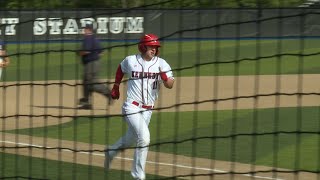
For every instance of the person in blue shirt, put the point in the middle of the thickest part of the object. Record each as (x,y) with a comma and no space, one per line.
(91,52)
(4,59)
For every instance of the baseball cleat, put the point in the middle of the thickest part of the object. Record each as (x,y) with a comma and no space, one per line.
(86,106)
(83,101)
(107,160)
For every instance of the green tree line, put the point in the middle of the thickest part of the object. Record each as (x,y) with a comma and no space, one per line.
(173,4)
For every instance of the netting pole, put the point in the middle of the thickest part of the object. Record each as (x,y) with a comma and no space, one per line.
(300,97)
(215,112)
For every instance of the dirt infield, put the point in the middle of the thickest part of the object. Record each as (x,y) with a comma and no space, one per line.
(57,101)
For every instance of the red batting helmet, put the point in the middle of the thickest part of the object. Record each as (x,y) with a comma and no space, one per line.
(148,40)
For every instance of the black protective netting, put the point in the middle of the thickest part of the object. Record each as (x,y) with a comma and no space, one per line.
(245,102)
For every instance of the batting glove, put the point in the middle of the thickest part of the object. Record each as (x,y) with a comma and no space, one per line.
(115,93)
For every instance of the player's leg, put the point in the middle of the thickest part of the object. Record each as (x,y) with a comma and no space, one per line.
(137,133)
(85,100)
(125,141)
(85,89)
(141,130)
(97,86)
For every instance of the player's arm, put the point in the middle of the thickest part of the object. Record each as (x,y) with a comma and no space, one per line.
(85,48)
(83,53)
(115,93)
(6,59)
(167,81)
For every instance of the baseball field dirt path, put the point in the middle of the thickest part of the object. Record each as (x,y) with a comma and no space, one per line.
(189,94)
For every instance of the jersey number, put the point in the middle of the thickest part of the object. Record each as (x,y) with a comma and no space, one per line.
(155,85)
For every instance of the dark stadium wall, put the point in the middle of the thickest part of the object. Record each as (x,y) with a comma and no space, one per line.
(25,26)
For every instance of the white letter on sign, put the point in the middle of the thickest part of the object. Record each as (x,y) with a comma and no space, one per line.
(134,25)
(40,26)
(116,24)
(10,28)
(55,24)
(102,25)
(71,27)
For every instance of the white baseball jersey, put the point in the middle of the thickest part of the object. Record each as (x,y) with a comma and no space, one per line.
(144,78)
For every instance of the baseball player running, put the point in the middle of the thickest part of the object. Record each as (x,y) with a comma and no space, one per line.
(145,72)
(4,59)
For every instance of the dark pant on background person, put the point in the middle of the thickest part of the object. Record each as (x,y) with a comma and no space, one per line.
(91,82)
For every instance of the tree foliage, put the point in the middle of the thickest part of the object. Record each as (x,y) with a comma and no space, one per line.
(173,4)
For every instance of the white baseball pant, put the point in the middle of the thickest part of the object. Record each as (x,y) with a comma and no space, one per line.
(138,120)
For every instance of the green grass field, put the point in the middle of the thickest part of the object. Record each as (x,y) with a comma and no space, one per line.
(207,134)
(187,58)
(22,167)
(201,134)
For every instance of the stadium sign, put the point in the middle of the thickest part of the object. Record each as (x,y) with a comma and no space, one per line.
(73,26)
